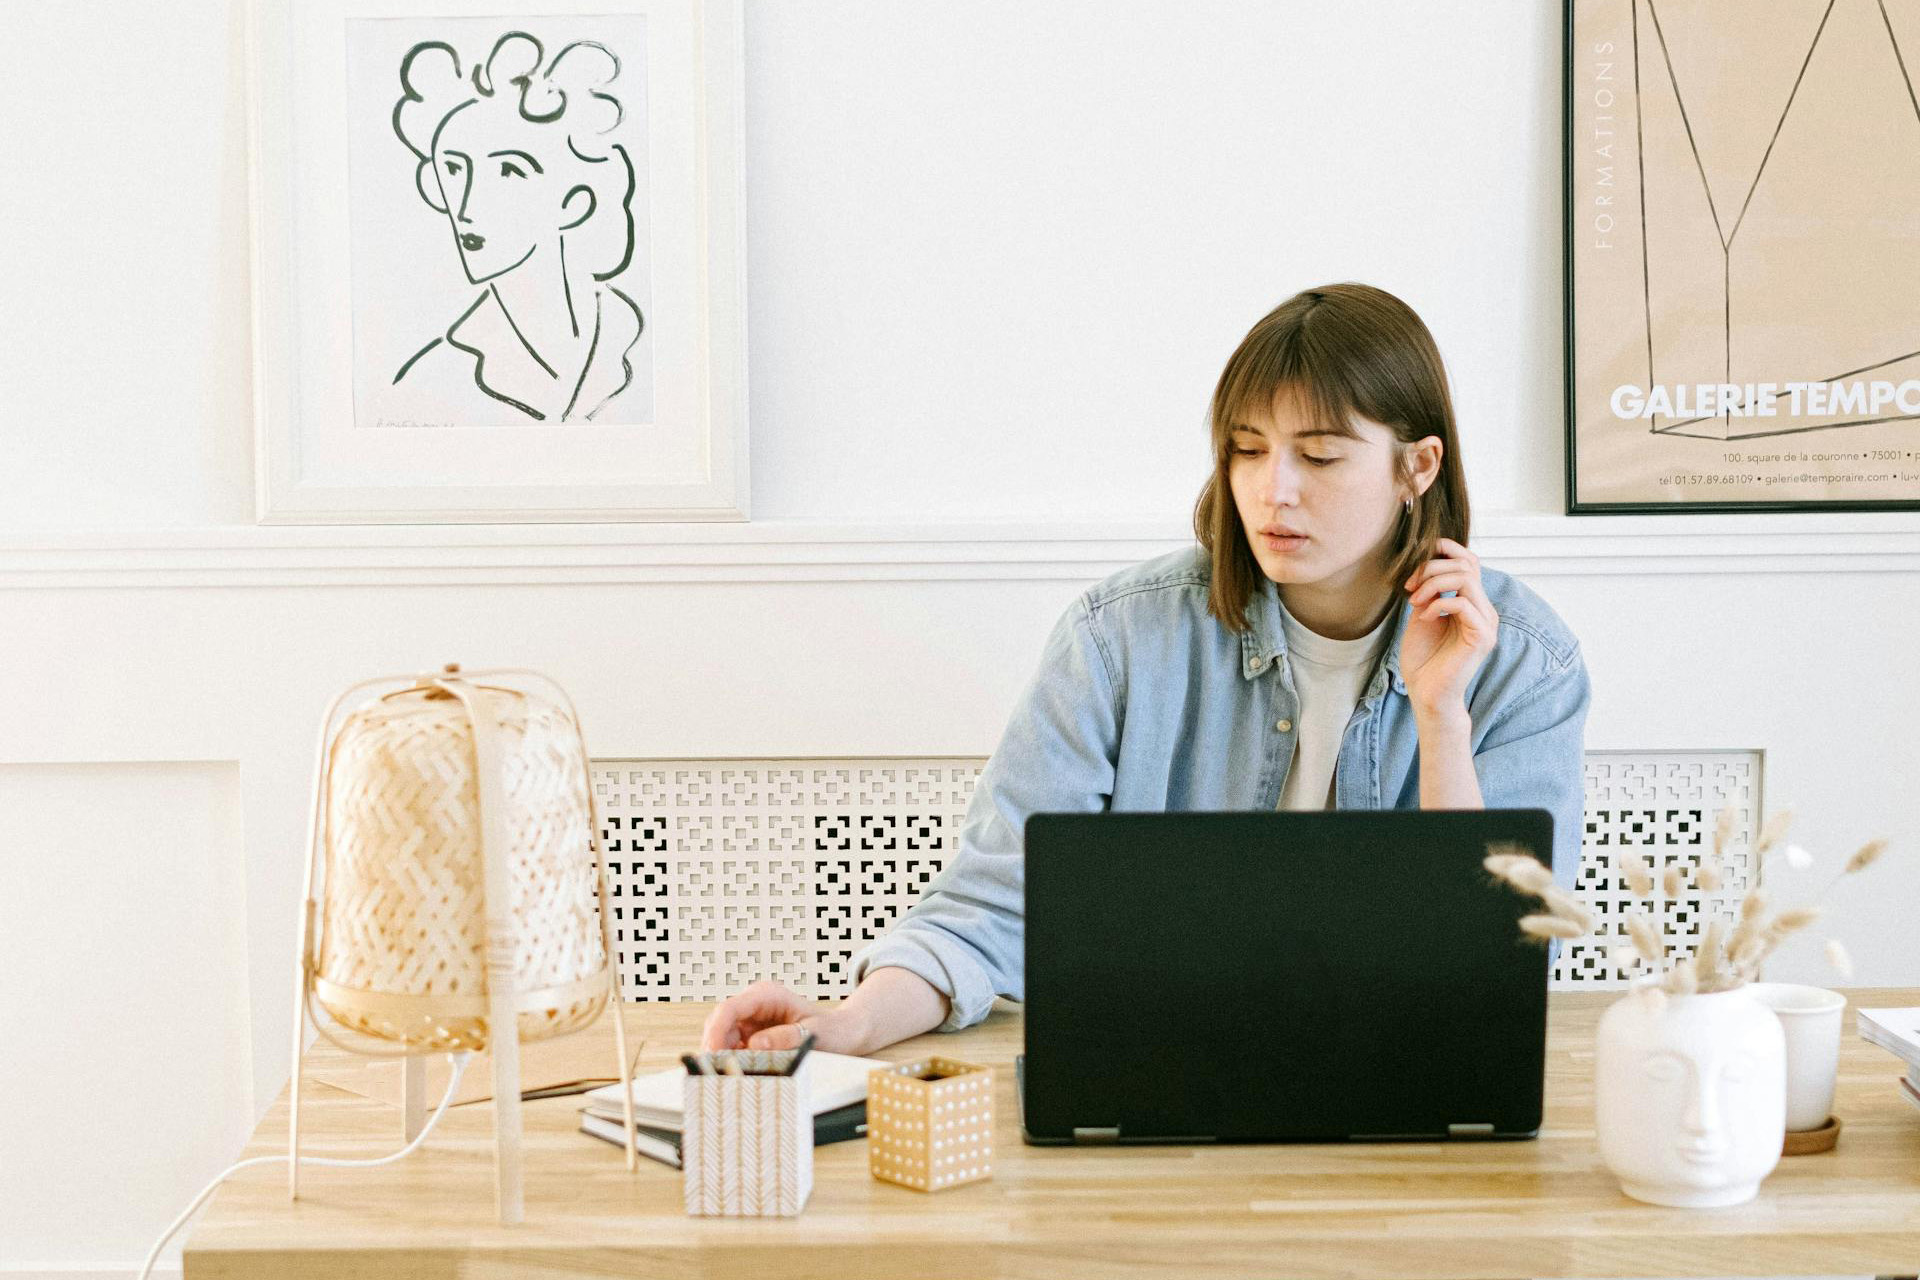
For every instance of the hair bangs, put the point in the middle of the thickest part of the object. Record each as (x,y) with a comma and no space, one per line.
(1282,369)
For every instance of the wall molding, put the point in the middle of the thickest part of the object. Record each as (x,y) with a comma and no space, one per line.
(1528,543)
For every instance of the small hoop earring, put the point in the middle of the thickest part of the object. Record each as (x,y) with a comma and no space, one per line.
(1409,506)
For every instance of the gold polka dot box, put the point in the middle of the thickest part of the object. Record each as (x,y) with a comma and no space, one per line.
(930,1123)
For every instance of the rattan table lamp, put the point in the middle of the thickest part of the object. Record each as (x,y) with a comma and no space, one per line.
(456,836)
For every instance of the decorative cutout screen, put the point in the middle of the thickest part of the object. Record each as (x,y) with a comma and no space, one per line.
(728,871)
(724,872)
(1660,805)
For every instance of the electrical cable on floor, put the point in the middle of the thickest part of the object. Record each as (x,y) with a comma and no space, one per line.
(459,1061)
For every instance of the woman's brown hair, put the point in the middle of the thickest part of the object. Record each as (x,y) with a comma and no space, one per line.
(1343,349)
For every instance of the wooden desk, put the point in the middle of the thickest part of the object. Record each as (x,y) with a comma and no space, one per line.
(1526,1209)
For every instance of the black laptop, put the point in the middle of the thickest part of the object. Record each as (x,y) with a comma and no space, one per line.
(1322,976)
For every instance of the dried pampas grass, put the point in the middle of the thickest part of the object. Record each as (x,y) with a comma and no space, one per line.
(1674,879)
(1684,980)
(1636,873)
(1646,939)
(1731,950)
(1789,921)
(1522,871)
(1758,933)
(1837,957)
(1723,825)
(1568,907)
(1773,830)
(1564,916)
(1708,954)
(1550,926)
(1869,854)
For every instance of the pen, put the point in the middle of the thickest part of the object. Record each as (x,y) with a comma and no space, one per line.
(799,1057)
(692,1064)
(731,1067)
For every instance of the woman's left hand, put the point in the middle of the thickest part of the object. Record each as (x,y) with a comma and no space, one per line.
(1447,637)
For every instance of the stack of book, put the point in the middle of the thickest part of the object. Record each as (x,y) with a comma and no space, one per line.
(1898,1032)
(838,1092)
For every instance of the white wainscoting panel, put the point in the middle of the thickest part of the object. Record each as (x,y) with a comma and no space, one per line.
(124,1034)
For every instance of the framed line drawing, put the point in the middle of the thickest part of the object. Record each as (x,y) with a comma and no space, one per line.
(498,261)
(1742,186)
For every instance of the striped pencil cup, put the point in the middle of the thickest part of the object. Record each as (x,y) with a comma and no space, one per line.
(746,1148)
(930,1123)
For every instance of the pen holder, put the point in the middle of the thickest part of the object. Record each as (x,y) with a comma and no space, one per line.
(746,1147)
(930,1123)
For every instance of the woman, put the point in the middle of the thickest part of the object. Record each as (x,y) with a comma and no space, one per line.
(1331,643)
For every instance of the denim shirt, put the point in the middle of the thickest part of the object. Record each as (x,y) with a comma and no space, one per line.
(1144,701)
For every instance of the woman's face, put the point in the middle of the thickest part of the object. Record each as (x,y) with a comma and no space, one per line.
(500,185)
(1341,495)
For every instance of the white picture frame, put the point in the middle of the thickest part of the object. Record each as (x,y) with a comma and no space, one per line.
(619,393)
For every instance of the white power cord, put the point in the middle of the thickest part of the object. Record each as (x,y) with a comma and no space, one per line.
(459,1061)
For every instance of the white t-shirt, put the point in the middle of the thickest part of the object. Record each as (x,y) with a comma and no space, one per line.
(1329,676)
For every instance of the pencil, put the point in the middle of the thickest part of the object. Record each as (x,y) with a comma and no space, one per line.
(793,1067)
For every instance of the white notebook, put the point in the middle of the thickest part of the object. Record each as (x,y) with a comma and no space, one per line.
(1895,1030)
(838,1080)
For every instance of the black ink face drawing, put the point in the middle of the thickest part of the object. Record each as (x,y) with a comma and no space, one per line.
(515,155)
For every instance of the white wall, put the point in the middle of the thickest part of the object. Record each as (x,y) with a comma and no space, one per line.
(993,249)
(997,254)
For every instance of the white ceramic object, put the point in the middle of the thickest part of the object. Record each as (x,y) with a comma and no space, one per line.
(1690,1096)
(1811,1018)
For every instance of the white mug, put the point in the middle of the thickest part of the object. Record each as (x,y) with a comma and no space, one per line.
(1811,1018)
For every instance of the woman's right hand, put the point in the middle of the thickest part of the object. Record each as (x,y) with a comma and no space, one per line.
(769,1016)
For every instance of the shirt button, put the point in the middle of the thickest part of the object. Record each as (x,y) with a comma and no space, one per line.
(1285,726)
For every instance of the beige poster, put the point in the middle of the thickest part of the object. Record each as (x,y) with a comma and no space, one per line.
(1744,251)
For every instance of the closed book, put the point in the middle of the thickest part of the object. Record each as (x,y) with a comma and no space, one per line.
(838,1080)
(1895,1030)
(838,1125)
(656,1144)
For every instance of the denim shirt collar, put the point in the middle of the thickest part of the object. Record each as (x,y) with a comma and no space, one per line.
(1266,638)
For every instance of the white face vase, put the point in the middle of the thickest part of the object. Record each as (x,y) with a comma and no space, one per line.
(1690,1097)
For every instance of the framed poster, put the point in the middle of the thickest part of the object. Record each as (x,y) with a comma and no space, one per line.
(497,261)
(1742,255)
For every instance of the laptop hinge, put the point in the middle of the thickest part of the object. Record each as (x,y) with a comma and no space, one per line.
(1096,1135)
(1469,1131)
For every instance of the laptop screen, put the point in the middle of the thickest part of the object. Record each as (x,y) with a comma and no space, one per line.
(1254,976)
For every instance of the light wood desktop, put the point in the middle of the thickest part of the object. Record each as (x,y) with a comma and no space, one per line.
(1527,1209)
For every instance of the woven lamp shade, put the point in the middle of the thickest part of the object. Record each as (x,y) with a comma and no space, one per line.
(455,843)
(402,953)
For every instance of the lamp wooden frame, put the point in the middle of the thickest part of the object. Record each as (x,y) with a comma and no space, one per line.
(508,1177)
